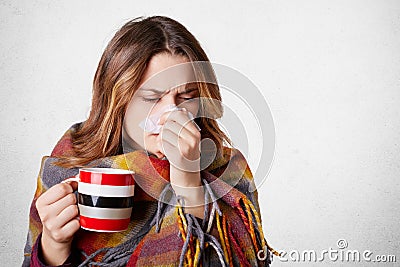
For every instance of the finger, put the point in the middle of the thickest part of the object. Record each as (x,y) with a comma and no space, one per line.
(181,131)
(182,163)
(67,231)
(68,214)
(191,118)
(164,117)
(74,185)
(54,194)
(182,137)
(60,205)
(71,227)
(170,152)
(171,137)
(176,134)
(176,115)
(188,149)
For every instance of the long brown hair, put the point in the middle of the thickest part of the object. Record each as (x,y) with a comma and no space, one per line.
(118,76)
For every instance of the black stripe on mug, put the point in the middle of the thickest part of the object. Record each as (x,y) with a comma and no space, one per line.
(105,202)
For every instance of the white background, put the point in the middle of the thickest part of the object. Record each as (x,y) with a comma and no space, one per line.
(330,71)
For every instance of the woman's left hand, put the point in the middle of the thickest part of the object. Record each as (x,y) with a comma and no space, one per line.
(179,141)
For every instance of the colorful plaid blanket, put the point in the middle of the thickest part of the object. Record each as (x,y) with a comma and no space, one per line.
(160,232)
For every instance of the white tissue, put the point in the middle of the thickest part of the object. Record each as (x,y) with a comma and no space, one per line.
(150,123)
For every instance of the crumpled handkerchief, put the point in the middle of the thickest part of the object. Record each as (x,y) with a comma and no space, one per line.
(150,123)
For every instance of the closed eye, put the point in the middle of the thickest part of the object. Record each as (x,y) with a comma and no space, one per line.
(146,99)
(190,94)
(188,98)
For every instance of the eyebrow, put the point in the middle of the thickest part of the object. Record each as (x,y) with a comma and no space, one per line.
(186,91)
(152,90)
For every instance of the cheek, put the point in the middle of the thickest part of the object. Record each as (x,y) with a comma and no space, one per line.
(133,116)
(137,111)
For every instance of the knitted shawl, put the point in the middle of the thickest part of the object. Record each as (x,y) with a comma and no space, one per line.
(160,232)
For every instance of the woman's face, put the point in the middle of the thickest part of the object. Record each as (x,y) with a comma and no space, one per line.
(165,82)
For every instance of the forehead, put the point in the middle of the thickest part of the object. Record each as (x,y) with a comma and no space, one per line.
(166,71)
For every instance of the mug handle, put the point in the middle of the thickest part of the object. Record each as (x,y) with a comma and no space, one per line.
(72,179)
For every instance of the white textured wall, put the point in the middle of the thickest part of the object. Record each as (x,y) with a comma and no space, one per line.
(330,71)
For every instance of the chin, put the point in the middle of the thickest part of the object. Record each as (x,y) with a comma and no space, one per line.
(150,141)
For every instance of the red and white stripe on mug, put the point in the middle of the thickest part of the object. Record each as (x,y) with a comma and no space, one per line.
(105,198)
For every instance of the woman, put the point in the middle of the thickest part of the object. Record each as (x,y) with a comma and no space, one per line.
(209,217)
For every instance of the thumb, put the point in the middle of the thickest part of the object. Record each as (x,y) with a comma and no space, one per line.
(72,181)
(74,185)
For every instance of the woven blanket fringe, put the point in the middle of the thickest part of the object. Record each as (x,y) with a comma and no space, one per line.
(195,240)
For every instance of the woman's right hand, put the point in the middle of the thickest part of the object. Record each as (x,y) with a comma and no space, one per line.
(58,212)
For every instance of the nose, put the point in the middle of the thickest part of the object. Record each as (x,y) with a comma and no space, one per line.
(169,98)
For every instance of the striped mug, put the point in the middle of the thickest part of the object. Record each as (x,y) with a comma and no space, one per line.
(105,198)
